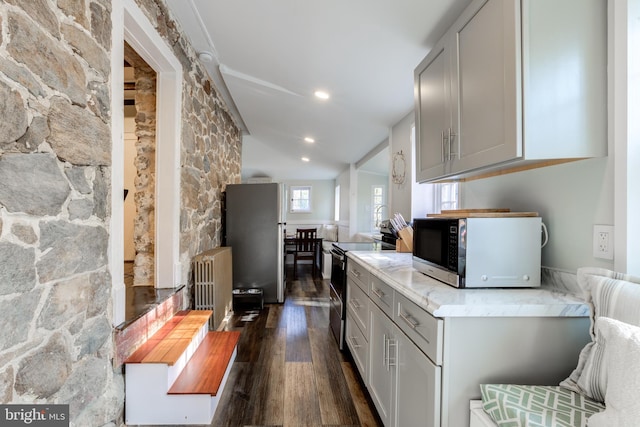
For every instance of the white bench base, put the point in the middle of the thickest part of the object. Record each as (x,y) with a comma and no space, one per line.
(147,401)
(479,418)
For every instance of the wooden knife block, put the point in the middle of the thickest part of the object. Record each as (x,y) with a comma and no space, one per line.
(405,242)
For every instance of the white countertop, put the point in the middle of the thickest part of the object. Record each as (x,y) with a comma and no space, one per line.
(443,300)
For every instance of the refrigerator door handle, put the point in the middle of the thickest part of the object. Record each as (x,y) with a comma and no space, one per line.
(281,265)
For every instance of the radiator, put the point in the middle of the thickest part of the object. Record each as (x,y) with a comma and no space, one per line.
(213,283)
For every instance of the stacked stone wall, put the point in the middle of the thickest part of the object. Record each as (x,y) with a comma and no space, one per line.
(56,344)
(55,167)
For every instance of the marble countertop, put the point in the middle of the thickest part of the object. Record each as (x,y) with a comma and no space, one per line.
(443,300)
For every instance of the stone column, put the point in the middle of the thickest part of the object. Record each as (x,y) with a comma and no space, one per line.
(145,182)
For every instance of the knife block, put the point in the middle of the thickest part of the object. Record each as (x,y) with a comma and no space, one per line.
(405,242)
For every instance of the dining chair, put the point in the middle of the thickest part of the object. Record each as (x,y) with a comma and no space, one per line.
(306,249)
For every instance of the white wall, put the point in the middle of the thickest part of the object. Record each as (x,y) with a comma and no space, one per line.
(400,140)
(412,200)
(322,202)
(346,202)
(364,208)
(571,198)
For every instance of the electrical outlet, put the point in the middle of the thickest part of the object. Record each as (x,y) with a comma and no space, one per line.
(603,241)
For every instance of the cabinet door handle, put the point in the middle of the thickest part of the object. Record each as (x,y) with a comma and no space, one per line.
(452,135)
(442,147)
(409,320)
(391,361)
(384,351)
(387,342)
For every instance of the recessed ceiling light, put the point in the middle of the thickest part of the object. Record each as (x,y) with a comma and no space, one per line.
(305,159)
(309,140)
(321,94)
(205,56)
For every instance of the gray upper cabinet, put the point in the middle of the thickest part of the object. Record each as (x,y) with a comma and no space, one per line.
(433,102)
(513,83)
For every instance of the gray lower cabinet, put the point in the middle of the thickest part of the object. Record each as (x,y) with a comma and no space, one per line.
(403,383)
(417,386)
(382,370)
(358,344)
(422,370)
(357,323)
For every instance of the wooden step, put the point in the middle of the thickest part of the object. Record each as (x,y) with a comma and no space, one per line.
(206,369)
(171,341)
(183,353)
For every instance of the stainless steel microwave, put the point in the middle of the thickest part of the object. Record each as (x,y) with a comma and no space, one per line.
(502,252)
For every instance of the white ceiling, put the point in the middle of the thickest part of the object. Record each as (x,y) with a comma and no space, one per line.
(268,58)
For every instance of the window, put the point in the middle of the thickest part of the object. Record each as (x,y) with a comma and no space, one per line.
(448,192)
(377,202)
(300,199)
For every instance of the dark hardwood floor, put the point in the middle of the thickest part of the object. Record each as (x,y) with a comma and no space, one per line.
(289,370)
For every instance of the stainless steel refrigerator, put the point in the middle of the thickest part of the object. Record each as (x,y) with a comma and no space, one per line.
(254,228)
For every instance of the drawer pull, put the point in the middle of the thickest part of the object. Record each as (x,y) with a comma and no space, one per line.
(355,273)
(409,320)
(354,343)
(355,304)
(378,293)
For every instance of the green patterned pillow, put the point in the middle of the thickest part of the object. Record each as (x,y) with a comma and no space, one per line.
(536,406)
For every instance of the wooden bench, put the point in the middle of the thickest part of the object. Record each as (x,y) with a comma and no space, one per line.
(205,371)
(178,375)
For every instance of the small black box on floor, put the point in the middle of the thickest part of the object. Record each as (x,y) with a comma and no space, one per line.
(251,298)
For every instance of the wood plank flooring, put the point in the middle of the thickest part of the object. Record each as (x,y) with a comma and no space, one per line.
(289,371)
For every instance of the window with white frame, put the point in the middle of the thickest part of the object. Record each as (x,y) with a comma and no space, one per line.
(448,193)
(377,202)
(300,197)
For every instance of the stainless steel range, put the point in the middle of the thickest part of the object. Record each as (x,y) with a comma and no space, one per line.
(338,286)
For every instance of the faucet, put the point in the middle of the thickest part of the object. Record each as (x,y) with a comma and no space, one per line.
(377,225)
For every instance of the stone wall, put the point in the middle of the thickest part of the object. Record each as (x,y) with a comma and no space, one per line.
(56,344)
(55,157)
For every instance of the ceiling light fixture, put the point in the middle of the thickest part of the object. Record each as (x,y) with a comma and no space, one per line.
(305,159)
(321,94)
(309,140)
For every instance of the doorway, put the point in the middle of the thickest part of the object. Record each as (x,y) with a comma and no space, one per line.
(131,25)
